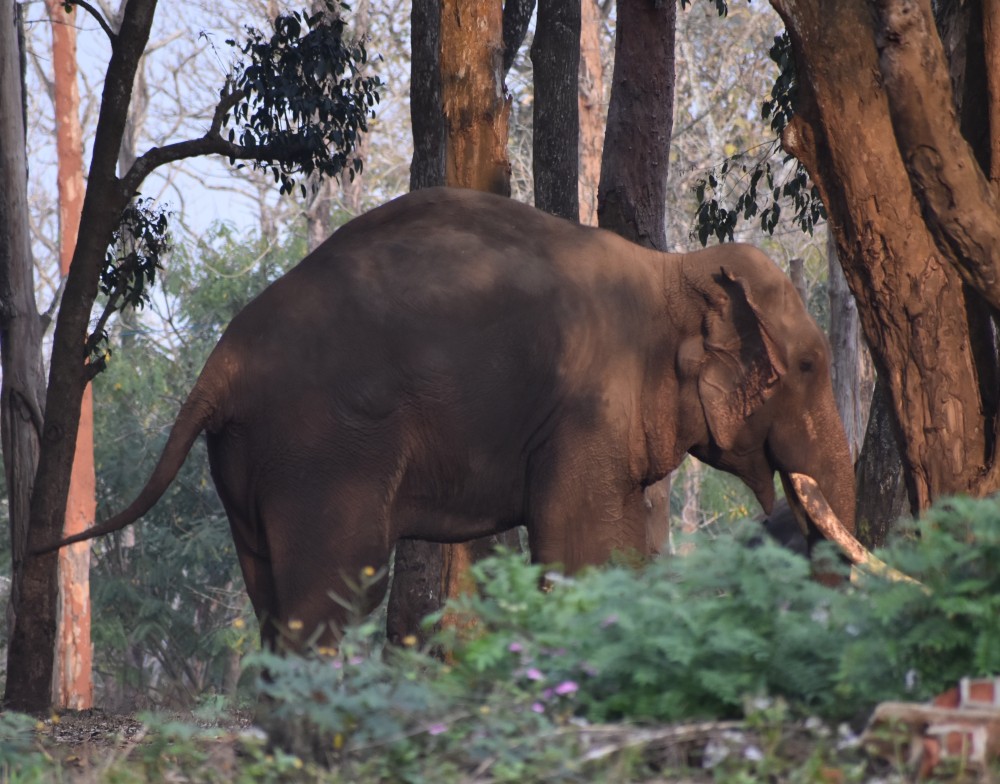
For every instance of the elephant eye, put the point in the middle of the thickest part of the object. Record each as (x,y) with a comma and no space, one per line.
(806,365)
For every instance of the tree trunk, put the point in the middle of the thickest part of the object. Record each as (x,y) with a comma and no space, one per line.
(591,110)
(23,382)
(632,194)
(914,220)
(29,658)
(881,485)
(417,584)
(555,57)
(475,101)
(476,115)
(633,190)
(74,685)
(460,138)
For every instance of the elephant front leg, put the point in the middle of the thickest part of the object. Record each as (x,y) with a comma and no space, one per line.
(583,518)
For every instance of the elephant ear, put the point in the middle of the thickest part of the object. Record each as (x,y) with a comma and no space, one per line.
(742,362)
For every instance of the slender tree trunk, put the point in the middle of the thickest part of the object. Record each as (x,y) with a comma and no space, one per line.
(592,115)
(417,584)
(23,383)
(29,658)
(632,194)
(555,57)
(74,686)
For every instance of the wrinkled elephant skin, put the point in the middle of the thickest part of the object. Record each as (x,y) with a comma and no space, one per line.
(453,364)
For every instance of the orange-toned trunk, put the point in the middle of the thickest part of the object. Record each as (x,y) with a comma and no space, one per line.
(592,114)
(476,115)
(73,687)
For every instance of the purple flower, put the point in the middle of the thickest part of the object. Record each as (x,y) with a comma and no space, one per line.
(534,674)
(566,687)
(537,707)
(437,729)
(515,647)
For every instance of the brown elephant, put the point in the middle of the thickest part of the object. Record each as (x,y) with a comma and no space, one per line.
(453,364)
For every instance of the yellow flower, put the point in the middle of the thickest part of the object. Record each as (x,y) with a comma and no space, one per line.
(239,623)
(485,710)
(338,741)
(297,763)
(55,718)
(295,625)
(410,640)
(368,571)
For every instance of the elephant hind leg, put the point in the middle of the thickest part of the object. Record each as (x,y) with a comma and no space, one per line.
(329,550)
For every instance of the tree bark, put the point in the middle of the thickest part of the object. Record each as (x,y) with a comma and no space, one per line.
(29,661)
(417,584)
(913,218)
(555,57)
(632,193)
(633,187)
(591,110)
(23,382)
(475,101)
(73,684)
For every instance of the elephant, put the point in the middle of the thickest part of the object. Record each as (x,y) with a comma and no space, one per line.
(453,364)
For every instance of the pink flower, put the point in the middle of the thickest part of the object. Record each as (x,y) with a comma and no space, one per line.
(537,707)
(515,647)
(437,729)
(566,687)
(534,674)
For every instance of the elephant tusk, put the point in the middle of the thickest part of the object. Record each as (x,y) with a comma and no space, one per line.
(815,504)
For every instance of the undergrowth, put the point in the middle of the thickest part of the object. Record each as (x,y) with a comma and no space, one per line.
(733,630)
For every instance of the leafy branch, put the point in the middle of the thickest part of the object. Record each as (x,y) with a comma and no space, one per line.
(746,186)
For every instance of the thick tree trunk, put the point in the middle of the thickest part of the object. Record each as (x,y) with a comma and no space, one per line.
(23,383)
(29,659)
(555,57)
(632,194)
(74,686)
(592,117)
(874,146)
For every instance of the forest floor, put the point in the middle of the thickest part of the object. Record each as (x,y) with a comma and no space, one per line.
(90,746)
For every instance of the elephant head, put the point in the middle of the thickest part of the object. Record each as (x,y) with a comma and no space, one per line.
(759,368)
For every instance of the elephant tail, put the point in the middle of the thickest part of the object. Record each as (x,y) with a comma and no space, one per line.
(194,416)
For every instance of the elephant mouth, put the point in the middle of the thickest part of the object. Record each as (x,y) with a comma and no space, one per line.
(808,504)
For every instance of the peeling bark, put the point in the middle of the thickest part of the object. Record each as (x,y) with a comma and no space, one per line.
(475,101)
(592,117)
(73,685)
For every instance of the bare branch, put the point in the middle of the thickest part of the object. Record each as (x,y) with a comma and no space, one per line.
(112,35)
